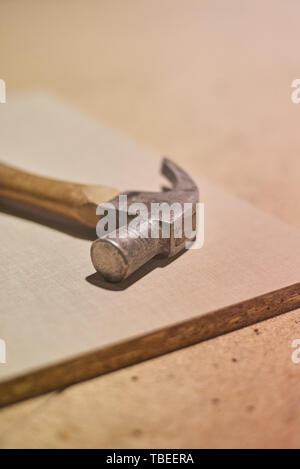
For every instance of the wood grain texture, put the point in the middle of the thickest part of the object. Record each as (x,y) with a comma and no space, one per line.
(152,345)
(209,84)
(76,201)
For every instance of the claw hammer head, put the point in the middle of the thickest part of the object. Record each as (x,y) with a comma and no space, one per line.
(118,254)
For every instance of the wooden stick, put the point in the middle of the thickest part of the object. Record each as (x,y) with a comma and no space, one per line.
(76,201)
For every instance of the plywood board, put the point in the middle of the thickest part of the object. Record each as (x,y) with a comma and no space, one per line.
(62,323)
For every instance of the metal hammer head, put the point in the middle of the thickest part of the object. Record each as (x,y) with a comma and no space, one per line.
(160,228)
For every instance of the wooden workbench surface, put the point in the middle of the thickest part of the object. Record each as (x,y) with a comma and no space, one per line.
(207,83)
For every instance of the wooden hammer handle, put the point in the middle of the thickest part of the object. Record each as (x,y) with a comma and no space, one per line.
(76,201)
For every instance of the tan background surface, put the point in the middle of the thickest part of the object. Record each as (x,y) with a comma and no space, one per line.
(204,81)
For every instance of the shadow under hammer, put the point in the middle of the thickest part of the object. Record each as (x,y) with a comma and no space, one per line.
(99,281)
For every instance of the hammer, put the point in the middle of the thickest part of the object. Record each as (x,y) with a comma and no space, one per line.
(117,254)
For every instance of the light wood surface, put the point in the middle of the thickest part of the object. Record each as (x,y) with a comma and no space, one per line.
(62,323)
(205,82)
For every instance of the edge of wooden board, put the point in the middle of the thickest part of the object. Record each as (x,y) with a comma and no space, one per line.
(114,357)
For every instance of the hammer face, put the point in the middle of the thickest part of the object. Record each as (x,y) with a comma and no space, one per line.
(109,260)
